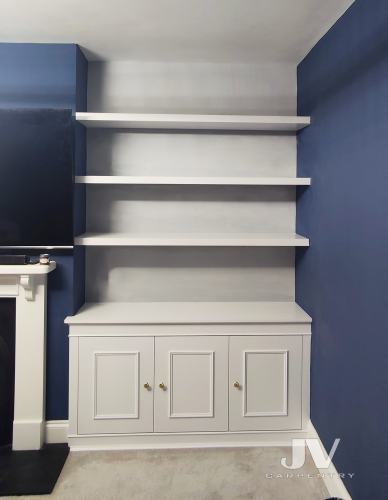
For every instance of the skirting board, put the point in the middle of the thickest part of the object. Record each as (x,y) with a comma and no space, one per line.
(330,476)
(57,430)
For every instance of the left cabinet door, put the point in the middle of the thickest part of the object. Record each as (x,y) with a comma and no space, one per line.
(115,394)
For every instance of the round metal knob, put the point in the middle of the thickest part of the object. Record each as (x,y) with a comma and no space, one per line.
(162,386)
(147,386)
(237,385)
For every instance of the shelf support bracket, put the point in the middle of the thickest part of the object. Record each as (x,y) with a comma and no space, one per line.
(26,282)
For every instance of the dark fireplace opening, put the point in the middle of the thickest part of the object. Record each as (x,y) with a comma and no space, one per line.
(7,369)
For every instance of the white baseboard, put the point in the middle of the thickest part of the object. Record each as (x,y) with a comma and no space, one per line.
(331,477)
(56,431)
(186,440)
(27,434)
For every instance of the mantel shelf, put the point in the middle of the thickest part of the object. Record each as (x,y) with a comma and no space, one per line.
(193,239)
(189,313)
(195,181)
(27,269)
(193,122)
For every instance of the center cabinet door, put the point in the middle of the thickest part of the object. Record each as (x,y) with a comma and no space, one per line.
(116,376)
(191,384)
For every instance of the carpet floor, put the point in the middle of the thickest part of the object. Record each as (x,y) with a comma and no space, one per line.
(197,474)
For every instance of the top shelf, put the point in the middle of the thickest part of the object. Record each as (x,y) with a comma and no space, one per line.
(193,122)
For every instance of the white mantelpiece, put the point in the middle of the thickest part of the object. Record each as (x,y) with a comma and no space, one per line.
(28,285)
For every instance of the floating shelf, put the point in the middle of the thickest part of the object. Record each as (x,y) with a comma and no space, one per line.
(193,122)
(193,239)
(195,181)
(189,313)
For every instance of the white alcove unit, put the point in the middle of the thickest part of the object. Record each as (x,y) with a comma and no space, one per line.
(190,335)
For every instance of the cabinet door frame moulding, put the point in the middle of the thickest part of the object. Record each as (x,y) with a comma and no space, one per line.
(127,406)
(210,353)
(98,354)
(285,353)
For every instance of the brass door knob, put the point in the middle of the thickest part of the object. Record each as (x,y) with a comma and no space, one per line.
(162,386)
(147,386)
(237,385)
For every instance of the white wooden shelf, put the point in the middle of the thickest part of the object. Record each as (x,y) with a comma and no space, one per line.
(193,239)
(188,313)
(193,122)
(195,181)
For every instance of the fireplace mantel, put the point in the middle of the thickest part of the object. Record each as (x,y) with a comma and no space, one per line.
(28,285)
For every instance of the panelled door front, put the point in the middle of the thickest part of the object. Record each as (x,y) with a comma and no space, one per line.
(265,383)
(191,379)
(116,377)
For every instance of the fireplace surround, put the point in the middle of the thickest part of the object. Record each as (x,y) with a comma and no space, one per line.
(28,285)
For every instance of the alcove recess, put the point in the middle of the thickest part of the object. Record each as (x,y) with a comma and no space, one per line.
(190,208)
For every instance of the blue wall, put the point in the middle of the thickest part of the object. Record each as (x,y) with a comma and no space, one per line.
(342,279)
(52,76)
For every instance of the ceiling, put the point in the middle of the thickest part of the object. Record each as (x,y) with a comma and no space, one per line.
(174,30)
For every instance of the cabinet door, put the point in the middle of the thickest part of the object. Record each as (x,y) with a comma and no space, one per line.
(193,374)
(265,383)
(112,374)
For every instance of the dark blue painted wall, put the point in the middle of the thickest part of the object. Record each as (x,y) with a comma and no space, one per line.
(52,76)
(342,279)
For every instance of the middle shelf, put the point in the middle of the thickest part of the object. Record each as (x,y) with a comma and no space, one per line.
(193,239)
(195,181)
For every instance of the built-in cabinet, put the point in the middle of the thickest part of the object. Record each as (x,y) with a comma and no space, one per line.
(189,384)
(190,330)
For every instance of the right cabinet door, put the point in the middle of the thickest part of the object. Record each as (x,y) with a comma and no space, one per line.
(265,383)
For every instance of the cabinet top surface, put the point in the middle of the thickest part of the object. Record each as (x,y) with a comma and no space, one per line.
(189,313)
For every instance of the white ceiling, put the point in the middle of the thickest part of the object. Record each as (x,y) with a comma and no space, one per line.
(191,30)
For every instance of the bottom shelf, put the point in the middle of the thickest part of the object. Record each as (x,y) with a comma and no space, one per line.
(126,313)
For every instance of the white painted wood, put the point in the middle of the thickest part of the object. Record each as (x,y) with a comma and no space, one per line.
(196,181)
(306,355)
(188,330)
(330,476)
(193,239)
(73,384)
(56,431)
(194,373)
(111,313)
(112,374)
(28,269)
(188,440)
(28,285)
(9,286)
(268,371)
(193,121)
